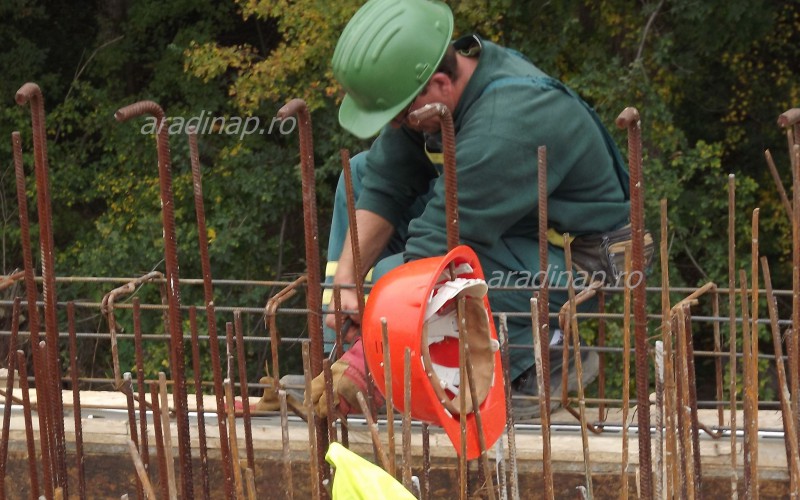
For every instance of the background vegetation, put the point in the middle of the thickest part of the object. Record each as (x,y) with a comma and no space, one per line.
(709,78)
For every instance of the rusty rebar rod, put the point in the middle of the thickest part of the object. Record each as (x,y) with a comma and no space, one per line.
(127,389)
(407,480)
(30,93)
(230,410)
(626,374)
(773,170)
(49,469)
(544,407)
(317,487)
(445,118)
(544,286)
(198,391)
(692,399)
(718,380)
(313,296)
(144,449)
(42,390)
(787,413)
(601,342)
(107,308)
(381,457)
(513,482)
(750,398)
(240,354)
(667,484)
(629,118)
(76,401)
(11,367)
(177,365)
(166,430)
(732,328)
(426,462)
(474,403)
(161,454)
(789,120)
(33,473)
(329,401)
(687,469)
(211,320)
(389,393)
(659,437)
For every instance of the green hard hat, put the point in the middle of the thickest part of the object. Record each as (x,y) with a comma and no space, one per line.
(385,57)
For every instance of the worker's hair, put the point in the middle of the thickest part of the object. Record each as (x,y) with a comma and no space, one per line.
(449,64)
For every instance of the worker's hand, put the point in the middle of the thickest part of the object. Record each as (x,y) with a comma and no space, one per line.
(349,302)
(349,378)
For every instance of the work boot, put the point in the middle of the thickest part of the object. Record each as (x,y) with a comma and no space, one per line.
(526,384)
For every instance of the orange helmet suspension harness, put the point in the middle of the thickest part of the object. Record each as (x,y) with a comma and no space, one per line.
(418,301)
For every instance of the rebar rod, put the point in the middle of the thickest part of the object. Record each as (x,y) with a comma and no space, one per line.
(12,349)
(31,94)
(629,118)
(732,329)
(718,380)
(144,452)
(687,471)
(626,374)
(788,418)
(426,462)
(127,389)
(692,395)
(372,425)
(389,393)
(177,365)
(750,408)
(166,431)
(659,436)
(476,407)
(33,474)
(754,297)
(601,342)
(241,358)
(407,419)
(669,450)
(314,465)
(49,469)
(513,480)
(208,298)
(544,415)
(198,392)
(313,295)
(161,454)
(773,170)
(42,390)
(544,287)
(329,401)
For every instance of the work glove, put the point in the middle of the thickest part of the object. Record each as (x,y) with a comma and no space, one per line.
(349,378)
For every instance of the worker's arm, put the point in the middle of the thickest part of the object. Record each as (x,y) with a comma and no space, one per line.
(374,233)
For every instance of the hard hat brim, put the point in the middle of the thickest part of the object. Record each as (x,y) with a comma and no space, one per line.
(364,123)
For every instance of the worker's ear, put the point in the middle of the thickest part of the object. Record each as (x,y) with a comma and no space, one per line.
(441,84)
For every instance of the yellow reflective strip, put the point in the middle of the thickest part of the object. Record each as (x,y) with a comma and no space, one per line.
(330,268)
(436,158)
(557,239)
(327,296)
(369,275)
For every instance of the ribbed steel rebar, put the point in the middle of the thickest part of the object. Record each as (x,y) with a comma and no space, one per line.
(198,391)
(12,350)
(544,415)
(49,469)
(407,419)
(601,342)
(443,114)
(127,389)
(208,297)
(141,386)
(161,456)
(166,430)
(178,369)
(389,393)
(750,398)
(629,118)
(314,465)
(33,474)
(626,374)
(32,94)
(297,107)
(42,390)
(76,400)
(732,328)
(667,483)
(776,178)
(513,482)
(788,418)
(248,430)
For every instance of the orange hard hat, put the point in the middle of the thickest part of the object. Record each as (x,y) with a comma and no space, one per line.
(417,301)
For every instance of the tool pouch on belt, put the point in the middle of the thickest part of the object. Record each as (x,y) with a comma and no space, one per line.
(602,256)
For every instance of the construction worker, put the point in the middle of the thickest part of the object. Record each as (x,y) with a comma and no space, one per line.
(396,56)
